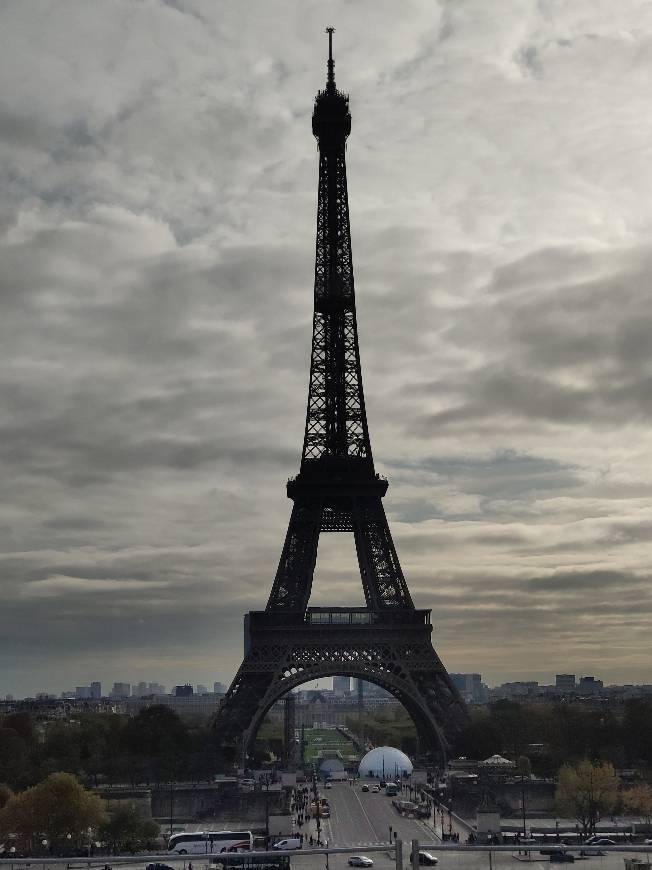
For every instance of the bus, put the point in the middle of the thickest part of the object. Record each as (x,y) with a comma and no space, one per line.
(391,789)
(210,842)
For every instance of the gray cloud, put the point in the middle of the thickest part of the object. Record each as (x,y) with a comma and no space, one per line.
(158,180)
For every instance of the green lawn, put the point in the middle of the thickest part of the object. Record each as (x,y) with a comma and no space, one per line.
(322,742)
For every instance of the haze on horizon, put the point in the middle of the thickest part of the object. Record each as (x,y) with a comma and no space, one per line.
(157,219)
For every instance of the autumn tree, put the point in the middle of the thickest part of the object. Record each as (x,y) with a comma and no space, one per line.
(55,808)
(587,790)
(639,800)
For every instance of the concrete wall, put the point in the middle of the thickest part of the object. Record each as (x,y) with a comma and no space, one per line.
(214,804)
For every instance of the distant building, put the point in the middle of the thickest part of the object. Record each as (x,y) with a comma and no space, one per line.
(201,690)
(155,689)
(219,688)
(590,686)
(183,691)
(191,706)
(139,690)
(565,682)
(121,690)
(518,689)
(83,692)
(96,690)
(470,687)
(341,685)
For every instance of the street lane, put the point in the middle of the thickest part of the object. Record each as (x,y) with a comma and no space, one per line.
(359,817)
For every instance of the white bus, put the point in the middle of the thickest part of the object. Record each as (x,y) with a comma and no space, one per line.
(210,842)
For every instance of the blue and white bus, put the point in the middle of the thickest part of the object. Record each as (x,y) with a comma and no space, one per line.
(210,842)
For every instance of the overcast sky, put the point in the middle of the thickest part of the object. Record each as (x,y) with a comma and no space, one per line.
(158,182)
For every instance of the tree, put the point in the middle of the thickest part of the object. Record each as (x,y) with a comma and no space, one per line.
(155,731)
(13,755)
(639,800)
(5,794)
(127,828)
(55,808)
(587,790)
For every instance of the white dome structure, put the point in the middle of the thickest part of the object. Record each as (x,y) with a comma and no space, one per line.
(385,762)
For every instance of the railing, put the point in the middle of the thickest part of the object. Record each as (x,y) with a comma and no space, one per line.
(338,617)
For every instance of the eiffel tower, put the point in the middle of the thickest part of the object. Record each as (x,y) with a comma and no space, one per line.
(337,490)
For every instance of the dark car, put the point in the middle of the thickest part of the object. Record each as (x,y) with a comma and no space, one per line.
(365,787)
(382,783)
(554,849)
(426,859)
(158,867)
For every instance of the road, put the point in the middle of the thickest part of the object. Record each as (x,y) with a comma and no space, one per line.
(362,818)
(359,817)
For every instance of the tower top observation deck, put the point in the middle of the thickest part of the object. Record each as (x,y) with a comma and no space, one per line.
(331,120)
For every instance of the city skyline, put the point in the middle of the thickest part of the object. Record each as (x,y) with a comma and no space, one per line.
(157,232)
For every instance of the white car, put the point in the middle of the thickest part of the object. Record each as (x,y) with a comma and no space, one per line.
(288,843)
(594,844)
(375,790)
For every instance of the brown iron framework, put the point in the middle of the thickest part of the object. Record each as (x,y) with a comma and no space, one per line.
(338,490)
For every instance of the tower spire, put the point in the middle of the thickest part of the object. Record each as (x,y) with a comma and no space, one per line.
(330,82)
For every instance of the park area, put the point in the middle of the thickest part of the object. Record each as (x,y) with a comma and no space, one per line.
(322,743)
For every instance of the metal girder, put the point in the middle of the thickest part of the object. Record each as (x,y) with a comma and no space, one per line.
(400,658)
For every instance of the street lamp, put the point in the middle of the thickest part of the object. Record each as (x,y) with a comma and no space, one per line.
(171,806)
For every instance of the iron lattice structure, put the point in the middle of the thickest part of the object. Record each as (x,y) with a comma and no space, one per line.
(337,490)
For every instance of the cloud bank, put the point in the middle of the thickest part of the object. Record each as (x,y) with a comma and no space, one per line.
(158,179)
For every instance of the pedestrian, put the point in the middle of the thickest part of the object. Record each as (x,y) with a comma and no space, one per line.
(189,865)
(311,840)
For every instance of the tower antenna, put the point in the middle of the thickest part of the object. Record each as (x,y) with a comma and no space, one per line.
(331,63)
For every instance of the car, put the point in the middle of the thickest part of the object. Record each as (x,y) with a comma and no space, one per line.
(648,842)
(594,844)
(158,867)
(365,787)
(426,859)
(287,844)
(360,861)
(375,790)
(553,850)
(382,783)
(329,785)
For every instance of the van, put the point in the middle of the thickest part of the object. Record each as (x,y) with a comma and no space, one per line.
(288,843)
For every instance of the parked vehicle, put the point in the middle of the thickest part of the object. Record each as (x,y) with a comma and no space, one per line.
(360,861)
(375,790)
(365,787)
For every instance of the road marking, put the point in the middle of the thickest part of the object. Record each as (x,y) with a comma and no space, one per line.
(357,797)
